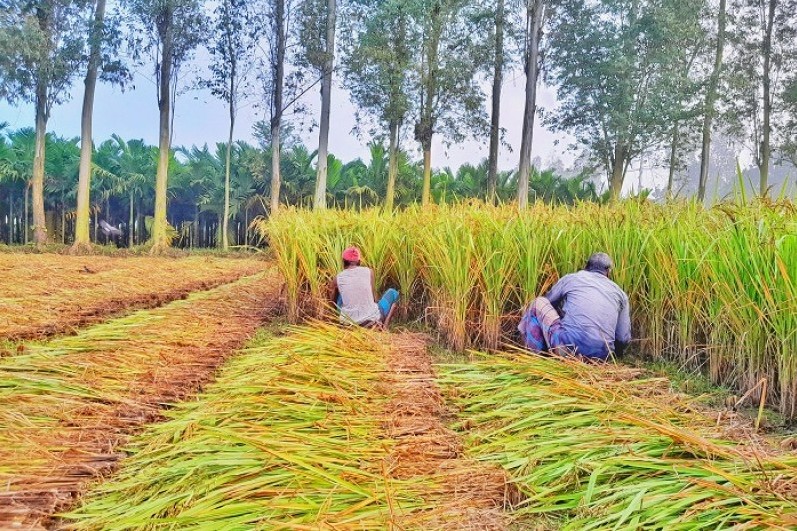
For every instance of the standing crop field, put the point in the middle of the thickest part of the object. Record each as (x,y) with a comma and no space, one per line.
(715,289)
(47,294)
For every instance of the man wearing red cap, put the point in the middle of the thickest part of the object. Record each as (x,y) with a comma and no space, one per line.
(353,293)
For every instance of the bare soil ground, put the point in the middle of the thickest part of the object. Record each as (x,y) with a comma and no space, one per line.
(462,493)
(43,295)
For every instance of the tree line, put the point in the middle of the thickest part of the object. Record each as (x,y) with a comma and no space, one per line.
(123,187)
(633,78)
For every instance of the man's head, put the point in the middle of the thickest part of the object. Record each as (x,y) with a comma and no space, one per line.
(351,256)
(600,263)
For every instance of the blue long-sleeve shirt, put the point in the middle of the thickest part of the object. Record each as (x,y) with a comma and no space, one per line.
(595,312)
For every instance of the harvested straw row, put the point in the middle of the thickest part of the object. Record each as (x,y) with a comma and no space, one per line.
(48,294)
(287,438)
(711,288)
(324,428)
(67,405)
(590,451)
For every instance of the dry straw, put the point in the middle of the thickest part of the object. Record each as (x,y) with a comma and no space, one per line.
(47,294)
(66,406)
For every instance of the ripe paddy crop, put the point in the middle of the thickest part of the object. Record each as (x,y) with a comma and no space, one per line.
(47,294)
(715,289)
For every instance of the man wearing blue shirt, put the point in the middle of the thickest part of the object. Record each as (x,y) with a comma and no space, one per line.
(595,315)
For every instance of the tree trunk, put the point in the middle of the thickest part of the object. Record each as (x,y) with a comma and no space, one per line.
(82,237)
(534,14)
(326,102)
(618,170)
(425,129)
(276,110)
(37,181)
(673,160)
(495,122)
(131,222)
(159,226)
(26,223)
(224,232)
(10,216)
(63,220)
(766,147)
(711,97)
(426,196)
(392,167)
(246,226)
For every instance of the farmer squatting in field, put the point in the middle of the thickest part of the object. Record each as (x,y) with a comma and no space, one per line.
(594,316)
(352,292)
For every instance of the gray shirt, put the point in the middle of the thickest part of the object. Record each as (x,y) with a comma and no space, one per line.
(595,311)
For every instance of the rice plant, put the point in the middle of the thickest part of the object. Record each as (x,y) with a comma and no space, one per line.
(710,288)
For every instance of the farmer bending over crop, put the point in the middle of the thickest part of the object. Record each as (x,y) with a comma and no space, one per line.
(353,291)
(596,317)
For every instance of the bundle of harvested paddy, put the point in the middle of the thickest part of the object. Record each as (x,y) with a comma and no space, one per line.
(65,406)
(323,428)
(48,294)
(591,451)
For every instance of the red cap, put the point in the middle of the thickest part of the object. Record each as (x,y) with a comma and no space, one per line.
(352,254)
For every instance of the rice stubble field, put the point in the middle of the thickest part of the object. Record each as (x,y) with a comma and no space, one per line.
(66,405)
(49,294)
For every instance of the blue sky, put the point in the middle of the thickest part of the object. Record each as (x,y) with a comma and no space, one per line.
(202,119)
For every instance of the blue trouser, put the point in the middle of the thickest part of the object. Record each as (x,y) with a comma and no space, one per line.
(386,303)
(388,300)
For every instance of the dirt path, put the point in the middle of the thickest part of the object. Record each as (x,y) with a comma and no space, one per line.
(44,295)
(464,493)
(67,406)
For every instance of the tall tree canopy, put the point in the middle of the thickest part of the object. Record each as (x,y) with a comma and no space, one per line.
(42,47)
(170,30)
(378,64)
(613,65)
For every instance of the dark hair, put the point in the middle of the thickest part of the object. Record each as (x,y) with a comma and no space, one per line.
(347,263)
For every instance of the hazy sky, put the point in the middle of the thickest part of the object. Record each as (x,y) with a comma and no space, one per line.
(200,118)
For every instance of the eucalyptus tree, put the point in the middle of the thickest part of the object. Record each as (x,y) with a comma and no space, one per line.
(612,63)
(378,60)
(170,30)
(103,49)
(535,13)
(278,14)
(317,37)
(41,51)
(447,98)
(709,108)
(235,34)
(763,56)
